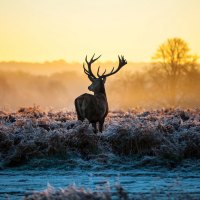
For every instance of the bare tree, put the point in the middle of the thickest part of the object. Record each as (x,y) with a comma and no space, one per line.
(173,62)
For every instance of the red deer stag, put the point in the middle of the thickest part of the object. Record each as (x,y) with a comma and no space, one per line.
(95,107)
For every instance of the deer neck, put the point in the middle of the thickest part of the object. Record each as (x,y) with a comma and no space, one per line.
(101,97)
(102,91)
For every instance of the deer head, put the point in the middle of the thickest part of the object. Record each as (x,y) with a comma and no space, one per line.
(99,81)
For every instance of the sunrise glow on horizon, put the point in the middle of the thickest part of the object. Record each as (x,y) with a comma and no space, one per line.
(37,31)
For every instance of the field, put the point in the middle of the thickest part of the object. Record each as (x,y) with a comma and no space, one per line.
(164,141)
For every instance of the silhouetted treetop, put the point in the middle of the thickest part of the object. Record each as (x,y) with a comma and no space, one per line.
(173,59)
(174,56)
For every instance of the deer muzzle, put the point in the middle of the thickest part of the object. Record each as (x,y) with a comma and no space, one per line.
(90,88)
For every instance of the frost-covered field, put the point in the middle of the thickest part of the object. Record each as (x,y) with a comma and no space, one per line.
(172,135)
(163,139)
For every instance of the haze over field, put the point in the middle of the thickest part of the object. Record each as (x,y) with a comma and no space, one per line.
(57,84)
(43,45)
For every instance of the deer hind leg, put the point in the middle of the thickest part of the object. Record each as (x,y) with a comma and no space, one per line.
(94,125)
(101,125)
(78,109)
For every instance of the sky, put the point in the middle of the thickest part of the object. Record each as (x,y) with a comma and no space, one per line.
(41,30)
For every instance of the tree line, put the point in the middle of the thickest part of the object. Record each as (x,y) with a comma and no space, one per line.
(172,80)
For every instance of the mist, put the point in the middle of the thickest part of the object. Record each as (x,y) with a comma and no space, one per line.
(56,84)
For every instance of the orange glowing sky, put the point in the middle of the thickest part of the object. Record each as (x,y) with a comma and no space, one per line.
(40,30)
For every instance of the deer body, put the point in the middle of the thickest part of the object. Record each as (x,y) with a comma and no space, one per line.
(95,107)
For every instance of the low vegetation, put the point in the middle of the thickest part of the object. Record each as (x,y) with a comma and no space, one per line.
(116,192)
(171,135)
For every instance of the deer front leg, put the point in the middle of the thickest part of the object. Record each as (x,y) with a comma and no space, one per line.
(94,125)
(101,125)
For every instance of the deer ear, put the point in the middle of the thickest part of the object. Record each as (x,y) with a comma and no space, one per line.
(104,80)
(91,79)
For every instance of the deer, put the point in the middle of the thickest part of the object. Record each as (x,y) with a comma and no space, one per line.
(94,107)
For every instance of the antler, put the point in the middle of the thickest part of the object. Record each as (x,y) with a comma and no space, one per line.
(122,62)
(89,71)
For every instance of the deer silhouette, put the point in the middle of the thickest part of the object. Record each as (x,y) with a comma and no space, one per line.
(95,107)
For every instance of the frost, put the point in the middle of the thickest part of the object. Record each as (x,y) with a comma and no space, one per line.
(69,193)
(170,134)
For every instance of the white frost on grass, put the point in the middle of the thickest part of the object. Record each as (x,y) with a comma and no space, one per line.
(172,134)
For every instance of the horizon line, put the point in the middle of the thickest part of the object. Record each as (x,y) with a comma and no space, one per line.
(64,61)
